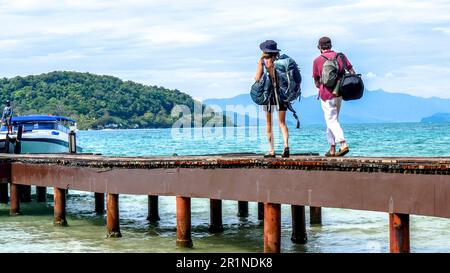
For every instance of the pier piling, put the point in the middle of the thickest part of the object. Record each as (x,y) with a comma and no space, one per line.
(399,233)
(25,193)
(14,194)
(4,198)
(272,227)
(260,211)
(298,225)
(99,202)
(242,209)
(112,216)
(215,213)
(41,194)
(315,215)
(184,222)
(153,208)
(59,199)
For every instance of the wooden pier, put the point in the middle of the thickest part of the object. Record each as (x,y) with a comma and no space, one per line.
(398,186)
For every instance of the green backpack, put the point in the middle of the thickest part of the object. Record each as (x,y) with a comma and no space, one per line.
(330,72)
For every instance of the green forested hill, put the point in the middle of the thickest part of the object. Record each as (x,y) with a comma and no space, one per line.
(94,101)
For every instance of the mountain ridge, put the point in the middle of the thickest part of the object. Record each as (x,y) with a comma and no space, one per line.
(377,106)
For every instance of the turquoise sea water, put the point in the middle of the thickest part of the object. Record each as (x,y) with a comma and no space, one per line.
(342,230)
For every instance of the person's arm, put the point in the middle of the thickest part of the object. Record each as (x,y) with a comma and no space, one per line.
(259,70)
(316,75)
(349,66)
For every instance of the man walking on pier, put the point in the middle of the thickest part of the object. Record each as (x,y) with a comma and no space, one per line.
(328,69)
(7,116)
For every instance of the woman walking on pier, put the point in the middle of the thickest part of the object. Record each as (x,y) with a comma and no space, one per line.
(269,56)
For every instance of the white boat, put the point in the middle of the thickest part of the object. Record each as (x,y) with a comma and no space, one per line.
(40,135)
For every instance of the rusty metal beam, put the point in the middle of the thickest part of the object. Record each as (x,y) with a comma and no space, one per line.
(272,228)
(242,209)
(4,198)
(112,216)
(99,198)
(41,194)
(184,238)
(261,211)
(418,194)
(25,193)
(153,209)
(14,203)
(315,215)
(399,233)
(59,199)
(298,225)
(215,213)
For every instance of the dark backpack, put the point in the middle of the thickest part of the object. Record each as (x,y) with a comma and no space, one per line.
(262,90)
(330,72)
(351,86)
(290,80)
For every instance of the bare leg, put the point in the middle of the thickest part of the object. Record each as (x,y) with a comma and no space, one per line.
(333,149)
(269,132)
(283,127)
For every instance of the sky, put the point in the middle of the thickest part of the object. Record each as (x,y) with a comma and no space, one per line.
(209,49)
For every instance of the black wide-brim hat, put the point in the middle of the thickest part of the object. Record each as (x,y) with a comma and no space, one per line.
(269,46)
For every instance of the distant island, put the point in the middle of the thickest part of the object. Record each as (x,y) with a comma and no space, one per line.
(377,106)
(438,117)
(94,101)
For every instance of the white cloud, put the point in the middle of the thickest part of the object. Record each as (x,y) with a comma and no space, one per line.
(197,45)
(445,30)
(371,75)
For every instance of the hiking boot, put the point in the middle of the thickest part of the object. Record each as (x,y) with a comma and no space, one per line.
(285,153)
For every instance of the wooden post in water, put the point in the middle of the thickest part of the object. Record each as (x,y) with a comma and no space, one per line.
(272,227)
(315,215)
(4,193)
(153,213)
(399,233)
(112,215)
(25,193)
(184,222)
(215,214)
(298,225)
(41,194)
(242,209)
(14,203)
(59,199)
(99,202)
(260,211)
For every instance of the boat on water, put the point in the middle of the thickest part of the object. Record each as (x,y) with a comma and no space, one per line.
(41,134)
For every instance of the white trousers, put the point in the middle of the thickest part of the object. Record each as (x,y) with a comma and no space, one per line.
(331,110)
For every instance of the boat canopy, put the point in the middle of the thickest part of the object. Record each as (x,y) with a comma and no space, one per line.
(38,118)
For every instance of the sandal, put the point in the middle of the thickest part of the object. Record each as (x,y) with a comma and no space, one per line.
(343,152)
(285,153)
(269,155)
(328,154)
